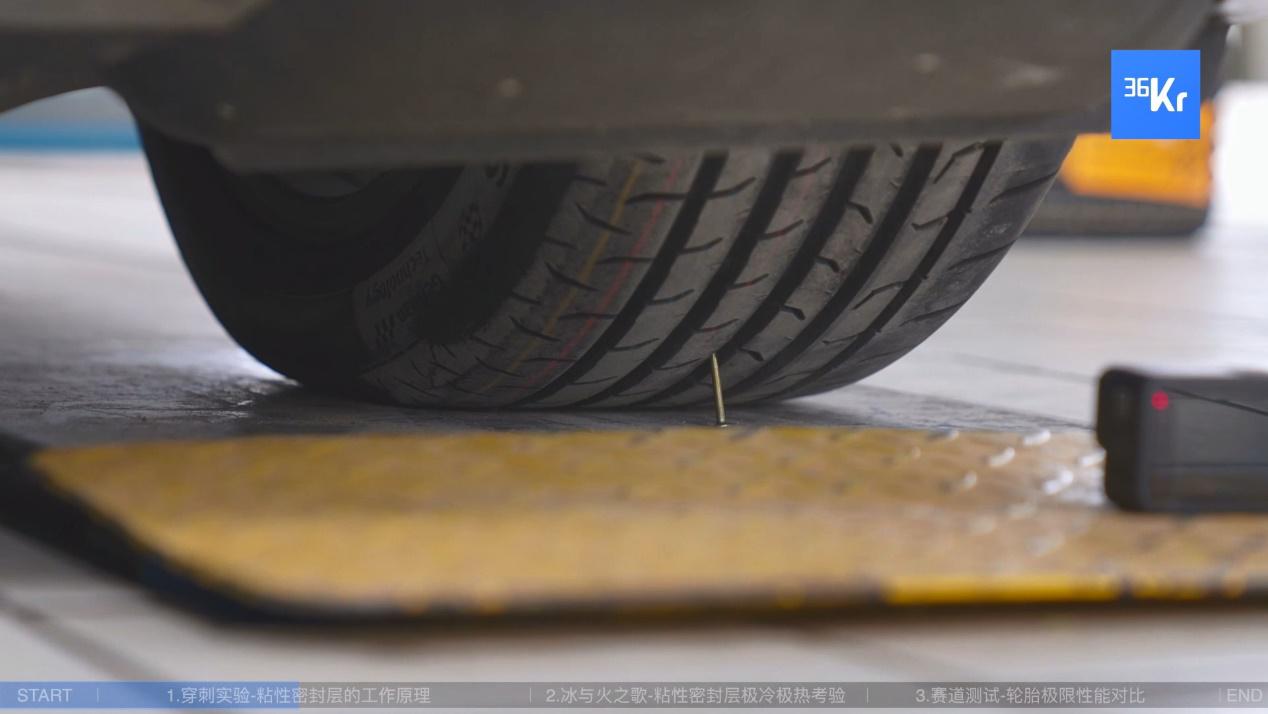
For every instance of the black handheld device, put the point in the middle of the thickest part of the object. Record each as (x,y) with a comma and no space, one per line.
(1184,443)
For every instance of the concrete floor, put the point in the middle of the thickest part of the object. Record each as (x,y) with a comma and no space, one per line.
(102,337)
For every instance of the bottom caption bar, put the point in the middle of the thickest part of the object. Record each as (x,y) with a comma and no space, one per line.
(649,695)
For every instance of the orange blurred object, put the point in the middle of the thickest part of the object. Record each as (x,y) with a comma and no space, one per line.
(1121,186)
(1164,171)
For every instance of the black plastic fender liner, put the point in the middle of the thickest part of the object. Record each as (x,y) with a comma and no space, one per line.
(53,46)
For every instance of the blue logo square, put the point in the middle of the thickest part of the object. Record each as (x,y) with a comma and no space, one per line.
(1155,94)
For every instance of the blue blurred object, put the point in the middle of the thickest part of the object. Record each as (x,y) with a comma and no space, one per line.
(87,120)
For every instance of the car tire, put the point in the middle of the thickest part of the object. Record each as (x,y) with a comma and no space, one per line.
(606,282)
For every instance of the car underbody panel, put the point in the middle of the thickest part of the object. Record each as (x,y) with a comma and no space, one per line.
(319,83)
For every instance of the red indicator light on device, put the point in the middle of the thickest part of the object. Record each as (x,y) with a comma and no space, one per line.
(1160,401)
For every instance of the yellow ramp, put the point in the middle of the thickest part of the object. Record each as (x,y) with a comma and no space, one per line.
(488,523)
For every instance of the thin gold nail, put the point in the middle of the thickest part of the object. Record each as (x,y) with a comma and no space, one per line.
(717,390)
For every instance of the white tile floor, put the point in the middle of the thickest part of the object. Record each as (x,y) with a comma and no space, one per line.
(103,337)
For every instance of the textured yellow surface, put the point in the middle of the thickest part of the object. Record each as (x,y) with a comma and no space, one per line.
(780,517)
